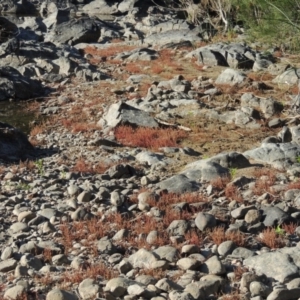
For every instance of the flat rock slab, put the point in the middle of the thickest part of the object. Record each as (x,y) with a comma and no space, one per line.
(204,170)
(231,77)
(179,184)
(15,86)
(288,77)
(8,265)
(274,154)
(235,55)
(121,114)
(275,265)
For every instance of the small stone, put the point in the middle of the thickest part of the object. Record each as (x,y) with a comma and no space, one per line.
(252,216)
(84,197)
(188,263)
(116,198)
(205,221)
(226,248)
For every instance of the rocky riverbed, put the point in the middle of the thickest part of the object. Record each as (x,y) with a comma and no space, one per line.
(162,163)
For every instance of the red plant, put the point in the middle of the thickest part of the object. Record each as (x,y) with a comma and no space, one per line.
(152,138)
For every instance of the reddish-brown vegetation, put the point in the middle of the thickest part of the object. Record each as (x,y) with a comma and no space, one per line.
(151,138)
(270,238)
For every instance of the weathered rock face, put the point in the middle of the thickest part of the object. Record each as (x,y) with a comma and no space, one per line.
(15,86)
(14,144)
(105,7)
(83,30)
(121,113)
(7,29)
(18,7)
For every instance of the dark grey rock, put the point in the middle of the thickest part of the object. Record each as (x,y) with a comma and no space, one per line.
(274,216)
(179,184)
(14,144)
(15,86)
(121,114)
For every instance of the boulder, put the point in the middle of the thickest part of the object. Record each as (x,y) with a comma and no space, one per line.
(179,184)
(75,31)
(275,265)
(15,86)
(231,77)
(123,114)
(14,144)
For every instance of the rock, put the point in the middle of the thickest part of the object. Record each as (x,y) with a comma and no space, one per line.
(30,261)
(168,253)
(14,143)
(205,221)
(15,292)
(274,215)
(124,267)
(105,246)
(242,252)
(213,266)
(118,286)
(253,216)
(205,170)
(168,285)
(290,77)
(275,154)
(88,288)
(116,198)
(284,294)
(188,264)
(175,295)
(241,211)
(7,253)
(179,184)
(143,259)
(207,285)
(150,158)
(274,265)
(135,290)
(178,227)
(15,86)
(84,197)
(100,7)
(231,77)
(57,294)
(121,171)
(247,278)
(235,55)
(75,31)
(226,248)
(60,259)
(18,227)
(123,114)
(257,288)
(26,216)
(173,36)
